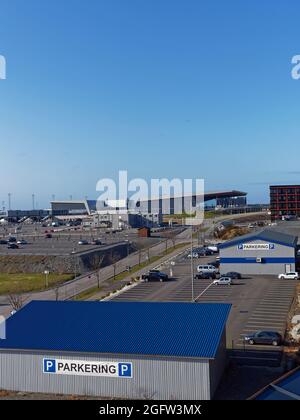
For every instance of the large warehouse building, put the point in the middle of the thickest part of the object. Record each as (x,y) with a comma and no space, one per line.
(116,349)
(264,252)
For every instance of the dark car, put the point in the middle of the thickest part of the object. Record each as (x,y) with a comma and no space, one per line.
(155,275)
(48,236)
(96,242)
(12,239)
(204,252)
(215,264)
(12,246)
(3,242)
(205,276)
(264,337)
(233,275)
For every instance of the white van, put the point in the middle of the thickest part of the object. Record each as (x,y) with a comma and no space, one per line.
(206,268)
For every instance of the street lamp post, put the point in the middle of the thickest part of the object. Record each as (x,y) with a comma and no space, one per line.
(192,265)
(46,272)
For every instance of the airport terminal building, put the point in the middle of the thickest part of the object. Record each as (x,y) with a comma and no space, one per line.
(264,252)
(135,350)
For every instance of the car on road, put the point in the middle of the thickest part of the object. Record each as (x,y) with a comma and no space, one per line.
(3,242)
(293,275)
(12,245)
(205,276)
(22,242)
(264,337)
(233,275)
(83,242)
(226,281)
(206,268)
(155,275)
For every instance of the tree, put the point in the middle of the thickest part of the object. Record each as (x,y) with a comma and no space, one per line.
(101,258)
(56,292)
(16,301)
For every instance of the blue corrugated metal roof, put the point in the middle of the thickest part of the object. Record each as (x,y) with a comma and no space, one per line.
(267,235)
(285,388)
(169,329)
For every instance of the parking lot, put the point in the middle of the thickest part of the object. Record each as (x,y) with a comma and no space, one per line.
(61,242)
(258,303)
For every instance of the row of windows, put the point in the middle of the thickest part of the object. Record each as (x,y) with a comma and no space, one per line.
(295,190)
(285,206)
(285,198)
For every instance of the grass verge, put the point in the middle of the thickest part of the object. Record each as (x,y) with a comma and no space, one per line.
(23,282)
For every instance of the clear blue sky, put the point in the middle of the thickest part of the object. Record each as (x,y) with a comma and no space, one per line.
(163,88)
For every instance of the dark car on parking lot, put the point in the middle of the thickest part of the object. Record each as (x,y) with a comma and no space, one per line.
(215,263)
(12,246)
(234,275)
(96,242)
(264,337)
(48,236)
(3,242)
(12,239)
(203,252)
(204,276)
(155,275)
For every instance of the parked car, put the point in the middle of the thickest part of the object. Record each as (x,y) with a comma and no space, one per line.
(207,268)
(264,337)
(83,242)
(155,275)
(12,239)
(226,281)
(48,236)
(22,242)
(12,245)
(233,275)
(193,255)
(293,275)
(215,263)
(96,242)
(205,276)
(3,242)
(213,248)
(206,252)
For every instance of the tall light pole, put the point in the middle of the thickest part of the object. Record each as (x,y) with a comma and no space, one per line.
(46,272)
(9,201)
(33,202)
(192,265)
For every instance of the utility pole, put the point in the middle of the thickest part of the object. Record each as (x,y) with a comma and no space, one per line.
(9,201)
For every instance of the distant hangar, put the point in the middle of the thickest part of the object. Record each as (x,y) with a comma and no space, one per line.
(88,207)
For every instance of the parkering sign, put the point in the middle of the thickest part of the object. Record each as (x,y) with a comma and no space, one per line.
(255,247)
(84,368)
